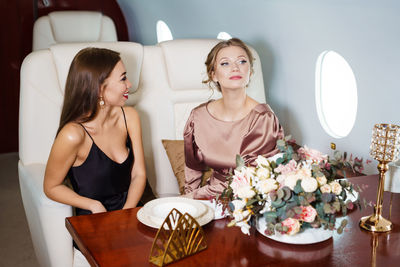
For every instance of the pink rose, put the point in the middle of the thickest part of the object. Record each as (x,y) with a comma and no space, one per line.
(240,179)
(288,168)
(308,214)
(311,154)
(293,226)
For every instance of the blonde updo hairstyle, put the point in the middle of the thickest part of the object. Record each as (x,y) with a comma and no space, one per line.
(212,57)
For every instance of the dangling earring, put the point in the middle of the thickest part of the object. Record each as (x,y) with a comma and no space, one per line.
(101,102)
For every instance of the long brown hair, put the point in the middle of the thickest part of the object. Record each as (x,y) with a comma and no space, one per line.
(88,71)
(212,57)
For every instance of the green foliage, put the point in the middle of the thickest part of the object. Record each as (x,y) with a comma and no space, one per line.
(239,162)
(251,202)
(270,216)
(298,189)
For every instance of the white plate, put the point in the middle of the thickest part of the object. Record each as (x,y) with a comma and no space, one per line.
(149,221)
(154,212)
(158,209)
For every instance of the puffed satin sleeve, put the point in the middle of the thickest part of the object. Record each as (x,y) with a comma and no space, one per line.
(193,158)
(261,139)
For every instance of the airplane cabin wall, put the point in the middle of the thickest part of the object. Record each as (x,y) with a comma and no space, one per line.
(289,35)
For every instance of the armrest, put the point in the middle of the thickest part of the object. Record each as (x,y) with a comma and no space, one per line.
(46,218)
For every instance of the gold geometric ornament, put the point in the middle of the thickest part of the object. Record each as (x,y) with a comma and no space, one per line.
(178,237)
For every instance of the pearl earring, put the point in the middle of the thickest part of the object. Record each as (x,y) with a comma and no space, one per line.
(101,102)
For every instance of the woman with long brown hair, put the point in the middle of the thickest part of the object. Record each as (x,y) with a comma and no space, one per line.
(98,145)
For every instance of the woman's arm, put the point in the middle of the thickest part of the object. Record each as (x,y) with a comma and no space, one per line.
(138,176)
(62,156)
(192,180)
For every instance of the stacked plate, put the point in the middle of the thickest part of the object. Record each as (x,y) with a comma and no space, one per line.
(154,212)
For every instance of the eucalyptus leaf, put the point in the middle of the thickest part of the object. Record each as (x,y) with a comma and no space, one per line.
(278,203)
(280,161)
(280,193)
(287,193)
(231,207)
(239,162)
(298,189)
(273,195)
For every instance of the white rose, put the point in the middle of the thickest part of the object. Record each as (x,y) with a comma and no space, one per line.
(268,185)
(304,172)
(336,188)
(281,178)
(309,184)
(263,173)
(250,172)
(321,180)
(291,180)
(245,192)
(261,161)
(241,172)
(326,188)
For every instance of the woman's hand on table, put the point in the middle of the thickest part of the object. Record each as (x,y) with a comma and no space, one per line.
(97,207)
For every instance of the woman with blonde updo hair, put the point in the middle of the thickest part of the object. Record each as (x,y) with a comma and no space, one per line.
(235,124)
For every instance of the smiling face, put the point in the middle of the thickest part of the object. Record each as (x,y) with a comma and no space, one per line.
(116,87)
(232,68)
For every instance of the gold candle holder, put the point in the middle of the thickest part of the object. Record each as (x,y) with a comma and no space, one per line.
(385,149)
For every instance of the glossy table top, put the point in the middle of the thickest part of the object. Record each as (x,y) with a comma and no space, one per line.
(118,239)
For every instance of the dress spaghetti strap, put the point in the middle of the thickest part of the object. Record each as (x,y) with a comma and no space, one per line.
(86,131)
(126,126)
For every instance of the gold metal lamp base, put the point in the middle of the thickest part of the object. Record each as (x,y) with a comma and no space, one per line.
(375,223)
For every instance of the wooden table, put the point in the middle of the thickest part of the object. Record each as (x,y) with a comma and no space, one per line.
(118,239)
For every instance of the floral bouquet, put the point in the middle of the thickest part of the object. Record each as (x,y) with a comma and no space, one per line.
(293,191)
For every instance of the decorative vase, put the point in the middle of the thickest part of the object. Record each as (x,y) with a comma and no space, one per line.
(308,236)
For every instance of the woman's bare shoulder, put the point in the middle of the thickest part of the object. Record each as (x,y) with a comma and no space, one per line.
(131,113)
(71,134)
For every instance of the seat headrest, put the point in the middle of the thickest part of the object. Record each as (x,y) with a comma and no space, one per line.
(131,55)
(64,26)
(185,59)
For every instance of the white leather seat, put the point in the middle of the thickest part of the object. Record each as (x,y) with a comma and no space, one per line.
(167,79)
(72,26)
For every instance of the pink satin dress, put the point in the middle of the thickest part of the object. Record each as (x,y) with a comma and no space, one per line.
(213,143)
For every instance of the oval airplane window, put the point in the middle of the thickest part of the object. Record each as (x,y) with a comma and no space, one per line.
(163,32)
(335,94)
(224,36)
